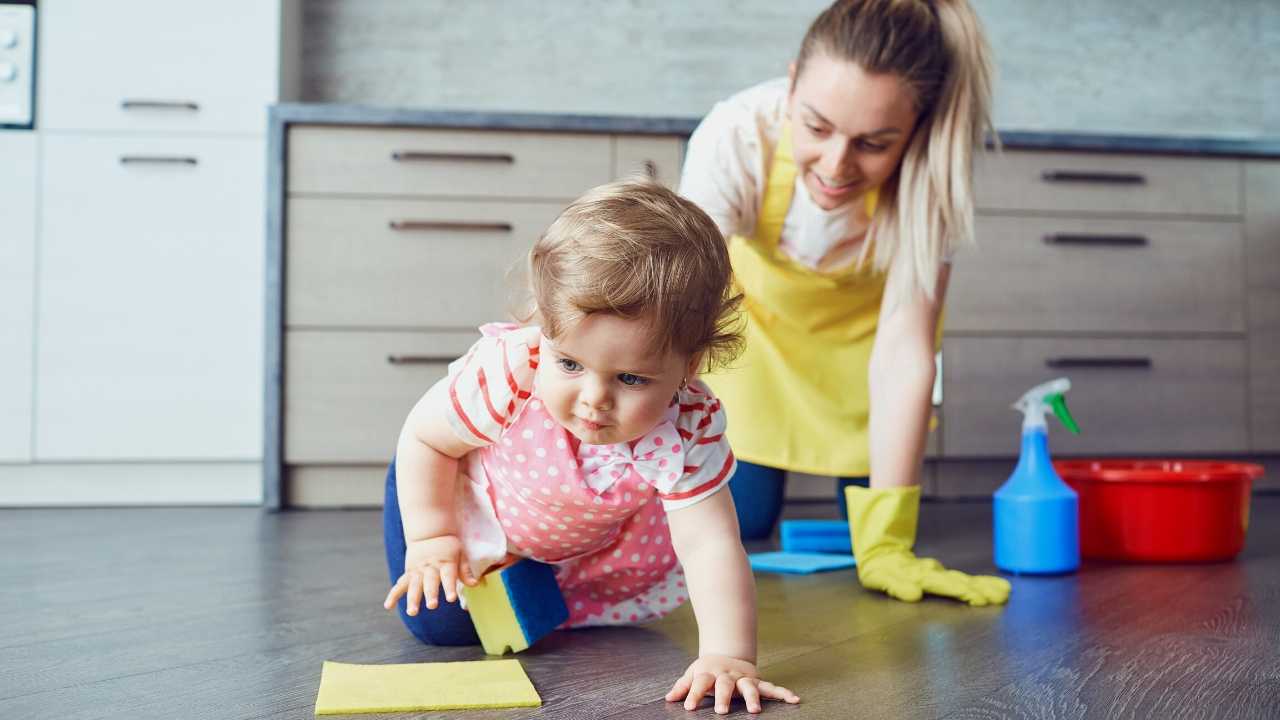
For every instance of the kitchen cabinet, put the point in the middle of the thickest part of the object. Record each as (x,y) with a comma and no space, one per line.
(17,292)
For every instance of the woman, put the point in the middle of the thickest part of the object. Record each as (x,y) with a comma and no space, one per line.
(844,189)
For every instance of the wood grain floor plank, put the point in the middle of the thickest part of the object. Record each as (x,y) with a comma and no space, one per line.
(229,613)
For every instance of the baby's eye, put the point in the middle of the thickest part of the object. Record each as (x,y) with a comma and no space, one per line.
(629,379)
(569,365)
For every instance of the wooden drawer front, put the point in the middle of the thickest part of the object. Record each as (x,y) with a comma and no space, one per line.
(1058,274)
(1082,182)
(657,158)
(149,340)
(1190,400)
(446,163)
(348,267)
(145,66)
(345,399)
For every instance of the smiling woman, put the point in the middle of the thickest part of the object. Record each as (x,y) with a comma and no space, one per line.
(844,190)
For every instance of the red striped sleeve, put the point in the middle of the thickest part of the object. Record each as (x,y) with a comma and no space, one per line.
(462,414)
(488,401)
(713,482)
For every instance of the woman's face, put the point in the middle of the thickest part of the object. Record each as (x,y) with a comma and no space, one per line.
(849,128)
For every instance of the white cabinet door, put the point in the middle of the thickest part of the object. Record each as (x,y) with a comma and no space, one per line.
(17,294)
(148,65)
(150,299)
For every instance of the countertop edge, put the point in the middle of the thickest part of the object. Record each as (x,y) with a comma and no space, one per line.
(345,114)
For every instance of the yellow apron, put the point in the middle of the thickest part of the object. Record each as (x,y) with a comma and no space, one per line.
(798,397)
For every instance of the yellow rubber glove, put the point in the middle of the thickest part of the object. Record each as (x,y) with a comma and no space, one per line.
(882,523)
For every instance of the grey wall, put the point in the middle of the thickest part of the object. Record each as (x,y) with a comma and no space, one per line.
(1184,67)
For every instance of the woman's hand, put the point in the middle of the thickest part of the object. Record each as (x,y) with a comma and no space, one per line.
(428,564)
(722,676)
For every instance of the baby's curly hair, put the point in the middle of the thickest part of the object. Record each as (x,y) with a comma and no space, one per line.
(635,249)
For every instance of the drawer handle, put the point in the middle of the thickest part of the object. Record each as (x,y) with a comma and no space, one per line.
(417,156)
(1085,176)
(1096,240)
(1059,363)
(158,160)
(159,105)
(419,359)
(411,225)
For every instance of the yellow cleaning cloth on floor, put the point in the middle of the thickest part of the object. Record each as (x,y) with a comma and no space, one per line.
(346,688)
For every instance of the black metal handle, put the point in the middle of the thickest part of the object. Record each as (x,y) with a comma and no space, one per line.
(410,225)
(1138,363)
(419,359)
(158,160)
(1096,240)
(187,105)
(1094,176)
(419,156)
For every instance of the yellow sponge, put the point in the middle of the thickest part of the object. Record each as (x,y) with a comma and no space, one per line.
(348,688)
(514,607)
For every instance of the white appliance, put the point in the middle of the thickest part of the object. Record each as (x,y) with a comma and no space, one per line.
(17,64)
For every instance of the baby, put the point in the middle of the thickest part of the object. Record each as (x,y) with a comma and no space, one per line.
(583,439)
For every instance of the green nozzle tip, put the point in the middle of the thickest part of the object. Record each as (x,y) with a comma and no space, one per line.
(1059,404)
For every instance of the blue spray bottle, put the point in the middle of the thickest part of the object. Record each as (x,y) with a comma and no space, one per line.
(1036,514)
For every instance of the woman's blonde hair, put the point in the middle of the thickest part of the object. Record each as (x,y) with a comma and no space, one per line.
(635,249)
(938,49)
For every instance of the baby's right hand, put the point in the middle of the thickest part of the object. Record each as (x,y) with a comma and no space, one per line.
(428,564)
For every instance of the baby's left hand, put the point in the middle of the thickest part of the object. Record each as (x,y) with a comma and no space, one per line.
(725,675)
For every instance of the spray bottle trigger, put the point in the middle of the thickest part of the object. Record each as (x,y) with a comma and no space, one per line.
(1059,404)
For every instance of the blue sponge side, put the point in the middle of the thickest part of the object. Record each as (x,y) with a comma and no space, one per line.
(799,563)
(535,597)
(816,536)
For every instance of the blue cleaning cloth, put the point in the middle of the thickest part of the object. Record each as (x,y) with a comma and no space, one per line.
(830,536)
(799,563)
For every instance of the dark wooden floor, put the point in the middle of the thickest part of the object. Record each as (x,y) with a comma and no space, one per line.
(229,613)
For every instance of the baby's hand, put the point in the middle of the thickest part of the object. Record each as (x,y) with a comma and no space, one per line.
(725,675)
(428,564)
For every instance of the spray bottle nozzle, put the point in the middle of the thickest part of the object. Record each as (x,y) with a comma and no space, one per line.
(1059,404)
(1043,398)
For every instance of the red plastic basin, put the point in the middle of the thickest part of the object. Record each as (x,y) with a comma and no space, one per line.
(1161,510)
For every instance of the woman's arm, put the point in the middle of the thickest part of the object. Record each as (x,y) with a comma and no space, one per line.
(901,382)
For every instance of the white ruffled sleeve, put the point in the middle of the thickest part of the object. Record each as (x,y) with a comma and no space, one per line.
(708,459)
(487,388)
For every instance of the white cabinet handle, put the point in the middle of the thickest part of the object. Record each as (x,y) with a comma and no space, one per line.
(186,105)
(1093,176)
(418,156)
(1068,363)
(419,359)
(1096,240)
(158,160)
(410,225)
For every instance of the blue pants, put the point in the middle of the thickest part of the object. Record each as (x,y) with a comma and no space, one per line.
(448,624)
(758,493)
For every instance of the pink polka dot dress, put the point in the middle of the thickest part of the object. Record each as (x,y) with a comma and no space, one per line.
(598,513)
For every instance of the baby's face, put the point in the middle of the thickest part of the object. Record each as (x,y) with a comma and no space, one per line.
(601,381)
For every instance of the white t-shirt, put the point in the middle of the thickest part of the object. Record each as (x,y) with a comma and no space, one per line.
(726,169)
